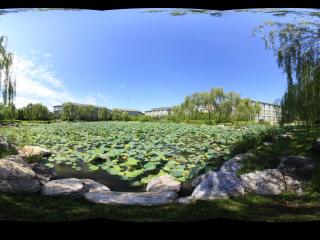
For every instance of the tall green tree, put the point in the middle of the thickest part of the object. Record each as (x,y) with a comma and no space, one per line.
(69,112)
(297,49)
(103,114)
(7,83)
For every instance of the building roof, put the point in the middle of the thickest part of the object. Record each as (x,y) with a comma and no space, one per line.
(159,109)
(81,104)
(127,110)
(265,103)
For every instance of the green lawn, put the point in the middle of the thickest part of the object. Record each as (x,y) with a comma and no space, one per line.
(287,207)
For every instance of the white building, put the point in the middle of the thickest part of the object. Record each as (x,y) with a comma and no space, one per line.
(159,112)
(269,112)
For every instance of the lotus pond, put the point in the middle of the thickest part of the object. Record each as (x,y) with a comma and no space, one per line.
(134,152)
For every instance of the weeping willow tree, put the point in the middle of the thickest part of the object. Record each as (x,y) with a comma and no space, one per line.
(7,84)
(297,48)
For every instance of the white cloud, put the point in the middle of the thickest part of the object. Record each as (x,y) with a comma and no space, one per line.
(37,83)
(47,55)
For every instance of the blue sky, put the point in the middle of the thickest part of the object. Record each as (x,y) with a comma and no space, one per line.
(130,59)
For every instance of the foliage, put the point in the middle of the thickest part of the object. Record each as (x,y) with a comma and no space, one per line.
(215,106)
(6,82)
(69,111)
(119,115)
(7,112)
(134,150)
(297,48)
(104,114)
(33,112)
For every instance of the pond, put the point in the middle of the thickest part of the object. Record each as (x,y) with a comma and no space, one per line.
(125,156)
(114,182)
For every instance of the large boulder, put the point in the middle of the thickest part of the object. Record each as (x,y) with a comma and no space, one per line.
(132,198)
(270,182)
(33,152)
(222,184)
(218,185)
(299,167)
(230,167)
(44,173)
(20,186)
(163,183)
(93,186)
(73,187)
(17,176)
(67,186)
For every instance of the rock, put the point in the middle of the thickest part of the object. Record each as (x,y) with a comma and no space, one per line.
(17,176)
(222,184)
(316,146)
(186,200)
(200,178)
(234,164)
(20,186)
(163,184)
(298,167)
(218,185)
(43,173)
(93,186)
(230,166)
(266,182)
(67,186)
(132,198)
(293,185)
(13,167)
(3,144)
(73,187)
(33,152)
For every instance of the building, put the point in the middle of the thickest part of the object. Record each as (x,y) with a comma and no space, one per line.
(159,112)
(131,112)
(269,112)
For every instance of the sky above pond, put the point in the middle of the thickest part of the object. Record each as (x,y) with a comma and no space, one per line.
(133,59)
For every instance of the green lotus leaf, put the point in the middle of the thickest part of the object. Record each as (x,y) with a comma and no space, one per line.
(93,167)
(149,166)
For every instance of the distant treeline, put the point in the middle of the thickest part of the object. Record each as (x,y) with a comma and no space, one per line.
(214,106)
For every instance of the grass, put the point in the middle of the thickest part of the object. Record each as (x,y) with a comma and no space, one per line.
(286,207)
(269,156)
(38,208)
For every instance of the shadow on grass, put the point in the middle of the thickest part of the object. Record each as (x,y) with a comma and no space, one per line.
(33,207)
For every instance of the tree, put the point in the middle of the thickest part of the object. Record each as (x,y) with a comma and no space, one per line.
(28,111)
(40,112)
(20,114)
(116,115)
(217,97)
(7,84)
(297,49)
(69,111)
(103,114)
(229,105)
(34,112)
